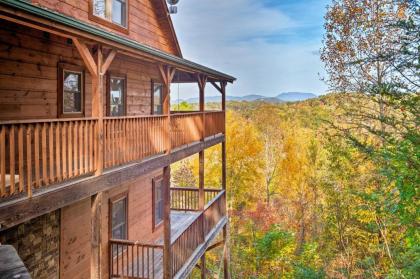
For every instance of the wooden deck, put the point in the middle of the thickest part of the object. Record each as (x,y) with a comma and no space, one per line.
(191,233)
(147,261)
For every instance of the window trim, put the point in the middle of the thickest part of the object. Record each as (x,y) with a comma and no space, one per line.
(112,201)
(109,23)
(109,75)
(154,225)
(153,82)
(60,90)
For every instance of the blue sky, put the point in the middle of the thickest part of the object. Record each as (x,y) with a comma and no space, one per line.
(271,46)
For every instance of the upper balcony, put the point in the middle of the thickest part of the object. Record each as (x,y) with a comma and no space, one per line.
(35,154)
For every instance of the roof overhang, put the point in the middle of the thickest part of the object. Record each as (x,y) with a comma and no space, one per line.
(50,19)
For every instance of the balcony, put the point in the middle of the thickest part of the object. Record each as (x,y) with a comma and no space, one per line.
(191,233)
(35,154)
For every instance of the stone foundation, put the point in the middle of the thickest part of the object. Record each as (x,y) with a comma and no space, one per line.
(38,244)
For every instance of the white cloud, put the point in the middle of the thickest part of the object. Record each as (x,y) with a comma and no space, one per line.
(231,36)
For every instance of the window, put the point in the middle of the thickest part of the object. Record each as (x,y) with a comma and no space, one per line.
(112,13)
(116,92)
(157,98)
(70,91)
(118,217)
(158,205)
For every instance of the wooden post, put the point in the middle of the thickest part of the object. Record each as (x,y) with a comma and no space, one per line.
(226,274)
(167,255)
(203,266)
(96,215)
(97,68)
(202,80)
(201,181)
(167,74)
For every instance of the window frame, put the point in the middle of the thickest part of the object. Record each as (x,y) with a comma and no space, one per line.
(110,75)
(108,22)
(153,82)
(158,225)
(112,201)
(60,90)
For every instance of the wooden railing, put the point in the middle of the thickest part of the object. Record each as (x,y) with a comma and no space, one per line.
(186,128)
(214,123)
(186,198)
(130,259)
(186,243)
(41,152)
(214,211)
(133,138)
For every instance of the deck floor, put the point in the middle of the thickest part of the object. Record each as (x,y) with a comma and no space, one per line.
(180,221)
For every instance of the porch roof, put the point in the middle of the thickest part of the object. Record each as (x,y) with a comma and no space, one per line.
(97,31)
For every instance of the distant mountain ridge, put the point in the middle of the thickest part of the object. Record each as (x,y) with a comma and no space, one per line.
(281,98)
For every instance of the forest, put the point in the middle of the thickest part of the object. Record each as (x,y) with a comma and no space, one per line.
(329,187)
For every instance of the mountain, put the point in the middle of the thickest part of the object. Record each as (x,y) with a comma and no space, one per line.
(295,96)
(283,97)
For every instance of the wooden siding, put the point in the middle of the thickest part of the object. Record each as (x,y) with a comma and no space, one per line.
(28,72)
(147,21)
(75,242)
(139,214)
(28,75)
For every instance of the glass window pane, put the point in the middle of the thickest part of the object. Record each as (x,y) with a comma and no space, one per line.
(119,219)
(116,96)
(72,92)
(118,12)
(158,201)
(157,98)
(99,7)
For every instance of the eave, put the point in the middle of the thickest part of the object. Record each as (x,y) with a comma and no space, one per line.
(57,18)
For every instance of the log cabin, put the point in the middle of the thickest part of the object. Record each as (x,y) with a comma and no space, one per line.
(87,139)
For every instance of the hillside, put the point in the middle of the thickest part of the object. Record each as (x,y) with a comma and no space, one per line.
(282,97)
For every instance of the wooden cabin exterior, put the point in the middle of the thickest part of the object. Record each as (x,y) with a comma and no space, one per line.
(87,139)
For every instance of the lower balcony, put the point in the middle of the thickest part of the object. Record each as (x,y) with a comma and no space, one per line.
(192,231)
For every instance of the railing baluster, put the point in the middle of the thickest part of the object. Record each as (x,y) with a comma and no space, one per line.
(44,151)
(3,161)
(29,160)
(20,158)
(12,159)
(36,153)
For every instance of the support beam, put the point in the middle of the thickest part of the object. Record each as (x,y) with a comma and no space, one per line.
(215,245)
(216,86)
(167,267)
(167,74)
(98,111)
(86,56)
(202,80)
(96,252)
(108,61)
(201,181)
(226,274)
(203,266)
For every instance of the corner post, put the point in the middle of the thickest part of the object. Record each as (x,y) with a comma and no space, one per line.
(203,266)
(167,73)
(226,274)
(202,80)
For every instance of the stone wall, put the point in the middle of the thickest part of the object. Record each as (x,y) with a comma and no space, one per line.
(37,243)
